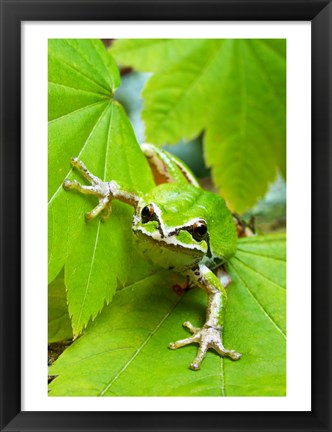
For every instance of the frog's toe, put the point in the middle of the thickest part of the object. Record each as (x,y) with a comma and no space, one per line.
(182,342)
(218,347)
(202,350)
(190,327)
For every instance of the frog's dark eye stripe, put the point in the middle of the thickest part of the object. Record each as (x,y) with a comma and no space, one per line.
(199,230)
(147,213)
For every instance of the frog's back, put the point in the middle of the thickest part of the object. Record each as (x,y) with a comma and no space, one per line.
(182,203)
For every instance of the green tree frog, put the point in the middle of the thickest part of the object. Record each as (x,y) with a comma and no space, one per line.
(181,227)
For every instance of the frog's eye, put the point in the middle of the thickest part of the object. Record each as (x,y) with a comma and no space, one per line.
(147,213)
(199,230)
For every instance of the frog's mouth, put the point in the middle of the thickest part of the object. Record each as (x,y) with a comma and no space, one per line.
(176,240)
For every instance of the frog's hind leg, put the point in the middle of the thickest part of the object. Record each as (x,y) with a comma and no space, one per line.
(167,168)
(210,335)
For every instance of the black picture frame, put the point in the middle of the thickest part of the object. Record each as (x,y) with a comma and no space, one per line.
(13,12)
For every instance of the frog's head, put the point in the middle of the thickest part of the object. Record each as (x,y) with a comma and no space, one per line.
(182,224)
(191,236)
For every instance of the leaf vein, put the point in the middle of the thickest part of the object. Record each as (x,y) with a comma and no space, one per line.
(259,273)
(265,76)
(191,86)
(78,71)
(262,240)
(80,153)
(139,349)
(222,377)
(258,303)
(75,111)
(77,89)
(260,255)
(90,273)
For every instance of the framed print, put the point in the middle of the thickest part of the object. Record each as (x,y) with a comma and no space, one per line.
(240,93)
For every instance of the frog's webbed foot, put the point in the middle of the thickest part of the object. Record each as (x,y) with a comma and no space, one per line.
(207,337)
(98,187)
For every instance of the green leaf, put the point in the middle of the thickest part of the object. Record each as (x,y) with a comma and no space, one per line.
(82,78)
(96,255)
(59,326)
(235,90)
(80,73)
(124,351)
(257,308)
(149,55)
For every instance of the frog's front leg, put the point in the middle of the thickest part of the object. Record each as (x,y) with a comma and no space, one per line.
(210,335)
(104,191)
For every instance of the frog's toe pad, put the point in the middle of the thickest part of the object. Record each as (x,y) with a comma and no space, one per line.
(67,184)
(195,366)
(234,355)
